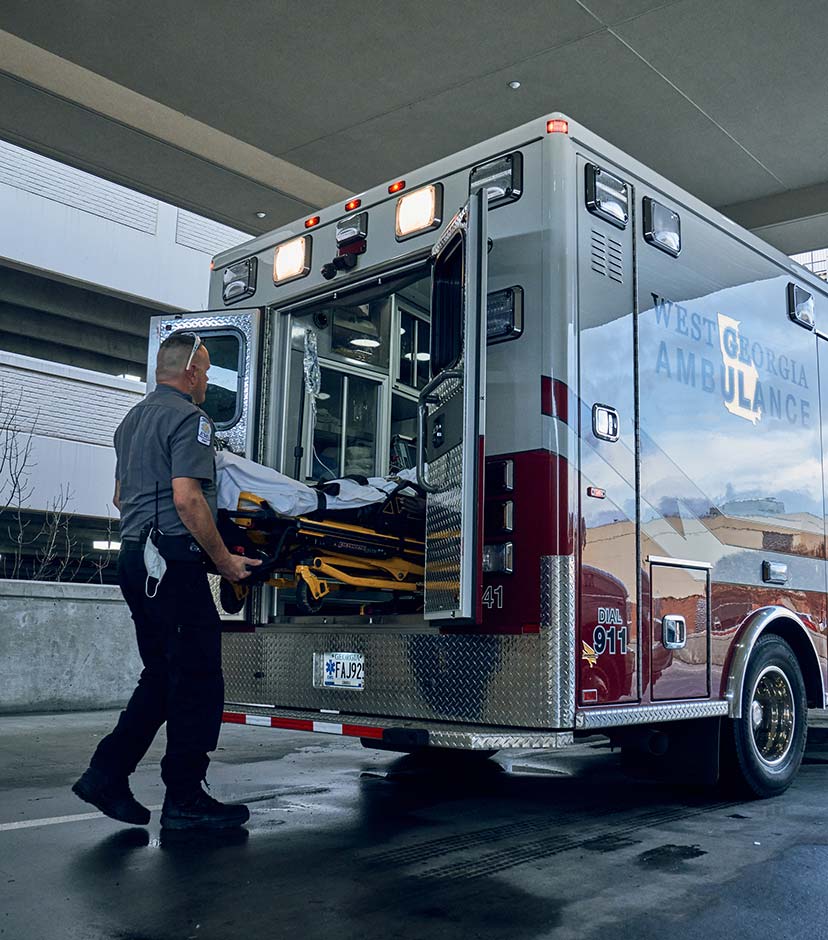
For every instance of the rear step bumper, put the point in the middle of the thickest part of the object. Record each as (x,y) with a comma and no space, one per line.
(397,733)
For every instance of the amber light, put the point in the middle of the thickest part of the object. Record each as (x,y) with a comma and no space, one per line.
(309,223)
(557,126)
(396,187)
(353,204)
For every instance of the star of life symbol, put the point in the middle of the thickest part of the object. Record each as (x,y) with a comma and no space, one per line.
(330,667)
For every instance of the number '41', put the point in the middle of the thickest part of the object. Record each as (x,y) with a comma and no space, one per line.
(493,597)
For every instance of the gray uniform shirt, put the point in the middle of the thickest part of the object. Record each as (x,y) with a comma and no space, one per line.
(162,437)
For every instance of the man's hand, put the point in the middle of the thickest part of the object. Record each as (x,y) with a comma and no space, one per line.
(194,512)
(236,567)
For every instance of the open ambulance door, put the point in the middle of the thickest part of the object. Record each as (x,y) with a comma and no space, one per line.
(452,417)
(232,338)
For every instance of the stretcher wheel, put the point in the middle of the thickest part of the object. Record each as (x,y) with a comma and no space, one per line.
(305,600)
(232,596)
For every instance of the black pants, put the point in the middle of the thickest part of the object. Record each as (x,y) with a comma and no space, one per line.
(179,640)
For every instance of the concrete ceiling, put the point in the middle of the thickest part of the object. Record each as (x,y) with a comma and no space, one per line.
(280,106)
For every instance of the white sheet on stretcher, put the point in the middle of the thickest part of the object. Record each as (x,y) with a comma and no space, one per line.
(287,496)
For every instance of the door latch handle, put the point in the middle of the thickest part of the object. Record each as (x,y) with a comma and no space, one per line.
(605,423)
(673,632)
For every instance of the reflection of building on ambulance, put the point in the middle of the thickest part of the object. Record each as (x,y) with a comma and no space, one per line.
(611,400)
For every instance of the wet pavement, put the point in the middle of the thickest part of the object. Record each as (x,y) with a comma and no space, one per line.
(344,842)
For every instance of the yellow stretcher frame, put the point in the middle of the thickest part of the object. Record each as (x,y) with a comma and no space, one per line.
(329,572)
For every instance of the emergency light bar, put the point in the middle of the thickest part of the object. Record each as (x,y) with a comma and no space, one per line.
(419,211)
(502,179)
(662,227)
(239,281)
(292,260)
(607,196)
(504,314)
(801,306)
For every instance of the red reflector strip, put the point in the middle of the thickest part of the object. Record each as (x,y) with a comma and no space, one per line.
(556,400)
(547,397)
(302,724)
(589,695)
(557,126)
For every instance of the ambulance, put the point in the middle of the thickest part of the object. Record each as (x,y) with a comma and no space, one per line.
(609,401)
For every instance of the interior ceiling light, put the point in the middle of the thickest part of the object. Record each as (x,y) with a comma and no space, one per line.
(261,215)
(514,85)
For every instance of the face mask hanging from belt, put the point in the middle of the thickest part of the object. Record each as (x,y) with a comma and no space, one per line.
(153,560)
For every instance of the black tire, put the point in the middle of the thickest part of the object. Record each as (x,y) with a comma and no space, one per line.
(765,746)
(305,600)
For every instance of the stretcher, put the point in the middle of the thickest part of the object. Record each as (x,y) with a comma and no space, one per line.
(364,557)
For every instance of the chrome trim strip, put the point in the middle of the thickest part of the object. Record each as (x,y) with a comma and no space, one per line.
(678,562)
(755,627)
(648,714)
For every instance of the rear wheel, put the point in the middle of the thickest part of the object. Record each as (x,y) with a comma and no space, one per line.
(768,741)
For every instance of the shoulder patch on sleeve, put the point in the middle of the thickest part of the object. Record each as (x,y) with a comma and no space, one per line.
(205,432)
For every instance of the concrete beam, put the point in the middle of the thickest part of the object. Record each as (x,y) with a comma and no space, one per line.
(70,355)
(24,321)
(793,221)
(74,303)
(42,69)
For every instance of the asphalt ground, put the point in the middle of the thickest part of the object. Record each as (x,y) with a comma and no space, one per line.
(344,842)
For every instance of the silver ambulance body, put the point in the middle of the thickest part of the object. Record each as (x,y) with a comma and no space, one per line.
(604,576)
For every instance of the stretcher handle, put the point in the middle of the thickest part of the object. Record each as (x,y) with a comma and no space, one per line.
(427,397)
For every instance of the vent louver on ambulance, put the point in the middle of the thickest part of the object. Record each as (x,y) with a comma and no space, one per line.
(607,257)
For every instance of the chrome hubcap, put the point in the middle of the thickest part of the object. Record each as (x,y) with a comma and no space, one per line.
(772,716)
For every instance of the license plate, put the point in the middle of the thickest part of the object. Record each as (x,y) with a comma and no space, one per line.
(343,670)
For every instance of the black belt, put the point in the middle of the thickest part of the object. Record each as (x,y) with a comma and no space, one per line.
(171,547)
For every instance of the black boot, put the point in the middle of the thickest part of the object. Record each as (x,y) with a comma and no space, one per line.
(112,796)
(198,810)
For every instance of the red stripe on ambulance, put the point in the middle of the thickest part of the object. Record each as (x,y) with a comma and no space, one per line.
(302,724)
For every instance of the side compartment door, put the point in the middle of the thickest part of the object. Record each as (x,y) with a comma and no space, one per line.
(452,416)
(232,338)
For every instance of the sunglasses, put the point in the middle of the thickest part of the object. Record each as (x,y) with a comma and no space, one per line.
(194,350)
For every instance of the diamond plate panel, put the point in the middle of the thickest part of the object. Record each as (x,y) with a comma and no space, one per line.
(242,665)
(236,437)
(557,579)
(444,519)
(649,714)
(517,680)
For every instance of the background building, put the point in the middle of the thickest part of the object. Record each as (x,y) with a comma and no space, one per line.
(84,264)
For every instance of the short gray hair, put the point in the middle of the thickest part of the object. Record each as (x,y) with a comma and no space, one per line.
(174,353)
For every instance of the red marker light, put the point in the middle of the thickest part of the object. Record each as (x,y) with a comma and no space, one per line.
(212,266)
(557,126)
(396,187)
(309,223)
(353,204)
